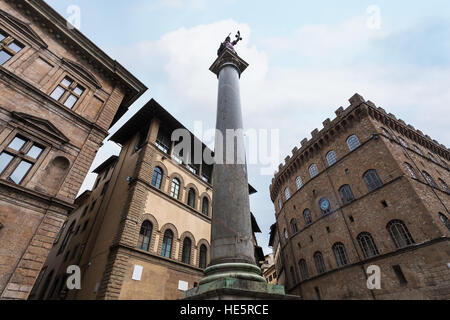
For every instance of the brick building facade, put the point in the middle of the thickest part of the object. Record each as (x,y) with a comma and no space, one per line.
(149,213)
(59,95)
(366,190)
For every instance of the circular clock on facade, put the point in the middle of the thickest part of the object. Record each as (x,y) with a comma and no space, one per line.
(324,204)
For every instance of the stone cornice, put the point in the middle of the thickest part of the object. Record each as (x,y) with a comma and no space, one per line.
(228,57)
(48,18)
(358,109)
(37,195)
(23,28)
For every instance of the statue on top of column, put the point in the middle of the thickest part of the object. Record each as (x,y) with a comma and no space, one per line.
(228,44)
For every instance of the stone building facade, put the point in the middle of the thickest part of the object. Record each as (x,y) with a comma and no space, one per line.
(59,95)
(143,232)
(366,190)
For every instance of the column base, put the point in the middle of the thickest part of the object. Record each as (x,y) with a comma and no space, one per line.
(238,289)
(243,271)
(234,280)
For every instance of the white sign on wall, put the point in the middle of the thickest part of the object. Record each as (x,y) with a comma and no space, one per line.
(137,273)
(183,285)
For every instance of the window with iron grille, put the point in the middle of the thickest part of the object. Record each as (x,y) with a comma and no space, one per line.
(287,194)
(17,159)
(303,269)
(320,264)
(411,170)
(346,194)
(403,142)
(68,92)
(429,179)
(313,170)
(444,186)
(367,245)
(332,158)
(9,47)
(353,142)
(418,150)
(400,234)
(299,183)
(372,180)
(145,235)
(340,254)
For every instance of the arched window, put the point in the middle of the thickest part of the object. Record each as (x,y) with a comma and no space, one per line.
(145,235)
(386,133)
(367,245)
(191,198)
(286,235)
(418,150)
(166,250)
(411,170)
(353,142)
(157,177)
(444,186)
(307,216)
(203,254)
(320,264)
(346,194)
(294,226)
(186,256)
(444,220)
(299,183)
(303,269)
(67,237)
(433,158)
(313,170)
(332,158)
(325,206)
(403,142)
(287,194)
(429,179)
(400,234)
(340,254)
(205,206)
(175,188)
(372,180)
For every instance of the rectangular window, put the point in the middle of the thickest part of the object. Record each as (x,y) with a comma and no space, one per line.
(20,172)
(8,47)
(5,160)
(21,153)
(68,92)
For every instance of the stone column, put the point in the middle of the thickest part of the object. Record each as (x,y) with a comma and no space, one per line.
(232,250)
(232,273)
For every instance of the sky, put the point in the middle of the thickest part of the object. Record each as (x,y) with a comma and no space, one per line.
(307,58)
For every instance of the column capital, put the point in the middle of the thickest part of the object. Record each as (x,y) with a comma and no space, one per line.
(228,57)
